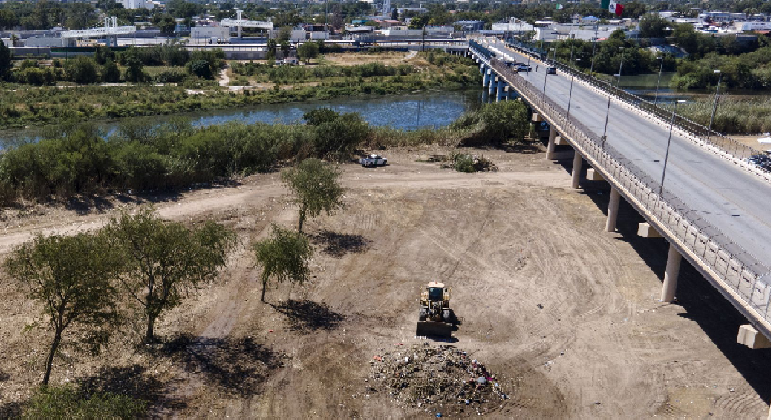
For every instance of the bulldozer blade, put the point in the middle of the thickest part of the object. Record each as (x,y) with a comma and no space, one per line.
(433,329)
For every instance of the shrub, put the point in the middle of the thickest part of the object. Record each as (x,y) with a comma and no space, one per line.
(66,402)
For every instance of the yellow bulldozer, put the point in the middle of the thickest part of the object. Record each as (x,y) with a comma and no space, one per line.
(436,318)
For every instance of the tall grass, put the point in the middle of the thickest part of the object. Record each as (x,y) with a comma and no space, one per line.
(735,114)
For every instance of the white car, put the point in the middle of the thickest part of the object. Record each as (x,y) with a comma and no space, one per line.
(373,160)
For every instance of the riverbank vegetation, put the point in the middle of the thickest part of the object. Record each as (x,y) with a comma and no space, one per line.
(77,160)
(735,114)
(23,105)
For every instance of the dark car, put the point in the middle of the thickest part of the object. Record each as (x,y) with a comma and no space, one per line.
(524,67)
(551,70)
(761,161)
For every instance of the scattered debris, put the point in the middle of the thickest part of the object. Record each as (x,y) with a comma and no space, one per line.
(424,375)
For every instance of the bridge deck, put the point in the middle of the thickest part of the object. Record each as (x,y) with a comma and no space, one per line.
(713,190)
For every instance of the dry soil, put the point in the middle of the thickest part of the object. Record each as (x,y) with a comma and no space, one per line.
(567,316)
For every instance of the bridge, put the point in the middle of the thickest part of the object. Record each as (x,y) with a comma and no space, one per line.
(691,185)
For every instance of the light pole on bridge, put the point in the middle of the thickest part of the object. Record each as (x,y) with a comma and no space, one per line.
(661,67)
(594,48)
(570,95)
(669,141)
(621,66)
(546,71)
(714,108)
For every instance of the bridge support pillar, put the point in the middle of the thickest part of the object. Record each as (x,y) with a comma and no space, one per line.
(670,274)
(486,78)
(752,338)
(550,146)
(493,85)
(503,91)
(615,198)
(578,160)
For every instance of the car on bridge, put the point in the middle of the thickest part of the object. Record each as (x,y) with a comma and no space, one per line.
(551,70)
(524,67)
(761,161)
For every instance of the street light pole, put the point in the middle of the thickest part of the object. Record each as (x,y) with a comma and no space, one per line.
(546,71)
(714,107)
(620,66)
(661,67)
(594,48)
(570,95)
(605,131)
(669,141)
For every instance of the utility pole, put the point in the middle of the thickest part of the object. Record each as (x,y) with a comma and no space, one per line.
(714,108)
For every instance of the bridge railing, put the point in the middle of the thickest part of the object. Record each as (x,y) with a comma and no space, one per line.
(708,136)
(737,271)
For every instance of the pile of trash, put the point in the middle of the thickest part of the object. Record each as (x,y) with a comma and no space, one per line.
(437,378)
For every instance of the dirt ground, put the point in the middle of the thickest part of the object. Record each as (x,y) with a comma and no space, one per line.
(567,316)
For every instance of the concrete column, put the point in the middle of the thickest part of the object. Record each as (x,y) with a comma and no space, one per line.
(615,198)
(550,146)
(670,275)
(486,78)
(578,160)
(493,85)
(502,91)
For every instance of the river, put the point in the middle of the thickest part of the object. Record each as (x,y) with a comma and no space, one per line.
(406,112)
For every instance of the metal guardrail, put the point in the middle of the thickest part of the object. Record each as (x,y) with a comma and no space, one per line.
(711,137)
(737,274)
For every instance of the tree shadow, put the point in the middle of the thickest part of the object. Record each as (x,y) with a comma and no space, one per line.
(11,410)
(84,204)
(134,382)
(339,244)
(306,315)
(702,302)
(4,376)
(239,366)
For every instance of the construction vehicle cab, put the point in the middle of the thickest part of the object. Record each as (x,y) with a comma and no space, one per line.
(436,317)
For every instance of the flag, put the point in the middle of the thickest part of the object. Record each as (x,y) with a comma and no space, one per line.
(604,4)
(619,9)
(559,6)
(612,6)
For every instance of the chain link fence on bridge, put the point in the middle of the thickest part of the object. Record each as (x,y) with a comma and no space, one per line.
(707,246)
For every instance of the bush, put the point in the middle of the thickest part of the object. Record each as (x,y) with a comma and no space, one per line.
(464,163)
(66,402)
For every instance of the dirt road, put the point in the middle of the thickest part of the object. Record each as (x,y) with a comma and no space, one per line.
(565,314)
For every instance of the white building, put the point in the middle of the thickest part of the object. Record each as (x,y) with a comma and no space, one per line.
(210,32)
(513,25)
(752,26)
(137,4)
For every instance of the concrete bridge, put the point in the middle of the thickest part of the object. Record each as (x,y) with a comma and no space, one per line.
(692,186)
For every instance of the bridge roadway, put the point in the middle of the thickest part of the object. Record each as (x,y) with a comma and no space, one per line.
(728,197)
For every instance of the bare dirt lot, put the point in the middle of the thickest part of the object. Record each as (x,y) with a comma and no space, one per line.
(567,316)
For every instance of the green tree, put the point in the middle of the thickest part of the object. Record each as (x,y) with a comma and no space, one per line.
(70,276)
(653,26)
(307,51)
(418,22)
(284,256)
(83,70)
(270,55)
(316,188)
(164,258)
(6,62)
(685,37)
(110,72)
(200,68)
(505,120)
(134,69)
(336,135)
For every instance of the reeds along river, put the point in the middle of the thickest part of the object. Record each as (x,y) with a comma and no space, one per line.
(406,112)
